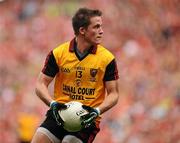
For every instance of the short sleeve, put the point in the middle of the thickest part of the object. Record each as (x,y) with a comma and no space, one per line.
(50,66)
(111,72)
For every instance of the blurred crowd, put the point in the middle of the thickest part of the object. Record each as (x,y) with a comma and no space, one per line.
(144,35)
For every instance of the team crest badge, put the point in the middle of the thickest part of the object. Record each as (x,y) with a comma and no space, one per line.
(77,82)
(93,73)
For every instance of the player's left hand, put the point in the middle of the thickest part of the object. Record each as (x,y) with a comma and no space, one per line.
(55,107)
(89,118)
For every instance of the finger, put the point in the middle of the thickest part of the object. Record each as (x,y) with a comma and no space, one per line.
(86,107)
(85,117)
(89,120)
(57,117)
(88,125)
(93,114)
(61,106)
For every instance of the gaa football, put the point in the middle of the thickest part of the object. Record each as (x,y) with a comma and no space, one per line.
(72,116)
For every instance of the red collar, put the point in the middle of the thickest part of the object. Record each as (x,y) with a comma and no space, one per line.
(73,43)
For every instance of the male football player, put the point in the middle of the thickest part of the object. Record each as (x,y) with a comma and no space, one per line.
(84,71)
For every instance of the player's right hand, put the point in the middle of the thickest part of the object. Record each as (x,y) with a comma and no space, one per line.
(55,107)
(88,119)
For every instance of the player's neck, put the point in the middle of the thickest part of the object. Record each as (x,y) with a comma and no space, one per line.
(82,45)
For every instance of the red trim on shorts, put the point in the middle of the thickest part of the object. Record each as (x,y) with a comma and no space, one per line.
(93,134)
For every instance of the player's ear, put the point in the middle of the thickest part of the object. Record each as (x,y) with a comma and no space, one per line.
(82,30)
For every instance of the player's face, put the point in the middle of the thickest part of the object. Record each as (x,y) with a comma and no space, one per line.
(94,32)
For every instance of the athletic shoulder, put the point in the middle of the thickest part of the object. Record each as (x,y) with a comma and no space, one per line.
(105,53)
(60,49)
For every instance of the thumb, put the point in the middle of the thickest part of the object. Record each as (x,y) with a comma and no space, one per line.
(86,107)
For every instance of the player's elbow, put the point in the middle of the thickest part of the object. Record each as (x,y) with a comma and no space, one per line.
(116,99)
(117,92)
(38,88)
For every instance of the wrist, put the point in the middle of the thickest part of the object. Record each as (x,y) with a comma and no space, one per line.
(98,111)
(52,102)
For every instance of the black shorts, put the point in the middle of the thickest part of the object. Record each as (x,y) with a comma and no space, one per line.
(86,135)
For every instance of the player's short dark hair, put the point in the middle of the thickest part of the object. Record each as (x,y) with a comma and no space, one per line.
(82,18)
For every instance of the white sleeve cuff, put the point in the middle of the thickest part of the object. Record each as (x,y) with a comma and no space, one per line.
(52,102)
(99,112)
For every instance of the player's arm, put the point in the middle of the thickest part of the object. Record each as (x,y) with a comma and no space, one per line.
(112,96)
(111,84)
(41,89)
(45,78)
(110,100)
